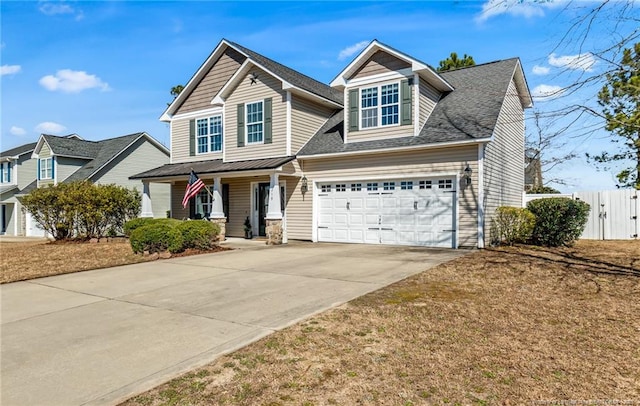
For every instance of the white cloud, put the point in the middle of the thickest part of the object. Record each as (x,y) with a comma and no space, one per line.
(70,81)
(352,49)
(60,8)
(9,69)
(49,127)
(546,92)
(519,8)
(584,62)
(17,131)
(540,70)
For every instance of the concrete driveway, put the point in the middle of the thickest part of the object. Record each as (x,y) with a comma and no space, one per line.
(99,337)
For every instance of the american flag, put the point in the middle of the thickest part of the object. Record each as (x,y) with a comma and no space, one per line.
(193,187)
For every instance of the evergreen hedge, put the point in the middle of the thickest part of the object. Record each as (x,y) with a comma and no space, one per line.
(559,220)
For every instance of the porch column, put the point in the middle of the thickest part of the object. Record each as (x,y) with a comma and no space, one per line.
(274,213)
(147,208)
(217,211)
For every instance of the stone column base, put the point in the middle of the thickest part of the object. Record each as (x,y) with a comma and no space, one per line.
(274,232)
(222,223)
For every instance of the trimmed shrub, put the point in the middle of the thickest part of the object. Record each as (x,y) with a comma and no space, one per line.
(559,220)
(136,223)
(199,234)
(512,225)
(156,237)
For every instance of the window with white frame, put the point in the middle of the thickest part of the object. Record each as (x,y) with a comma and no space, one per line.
(380,101)
(255,123)
(5,172)
(204,203)
(209,134)
(46,168)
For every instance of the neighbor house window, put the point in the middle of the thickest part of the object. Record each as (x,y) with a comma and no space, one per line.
(5,172)
(46,168)
(209,133)
(380,101)
(255,123)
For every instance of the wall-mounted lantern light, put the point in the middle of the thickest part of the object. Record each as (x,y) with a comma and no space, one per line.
(304,188)
(467,174)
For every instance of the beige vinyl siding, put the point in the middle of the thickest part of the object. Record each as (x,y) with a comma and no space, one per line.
(66,167)
(245,92)
(139,157)
(306,118)
(504,159)
(380,62)
(177,193)
(380,132)
(180,143)
(429,97)
(432,162)
(299,209)
(221,71)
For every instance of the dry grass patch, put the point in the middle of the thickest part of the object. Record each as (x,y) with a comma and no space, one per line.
(504,326)
(27,260)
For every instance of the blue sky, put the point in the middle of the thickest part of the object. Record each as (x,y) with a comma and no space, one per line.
(104,69)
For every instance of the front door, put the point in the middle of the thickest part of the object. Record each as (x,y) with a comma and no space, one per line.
(263,208)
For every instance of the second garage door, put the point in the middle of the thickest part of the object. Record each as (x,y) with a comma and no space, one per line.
(396,212)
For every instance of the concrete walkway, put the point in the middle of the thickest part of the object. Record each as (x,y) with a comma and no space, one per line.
(99,337)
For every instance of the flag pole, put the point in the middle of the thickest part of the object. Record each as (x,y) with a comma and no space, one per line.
(205,186)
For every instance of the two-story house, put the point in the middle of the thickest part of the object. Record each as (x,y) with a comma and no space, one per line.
(54,159)
(390,152)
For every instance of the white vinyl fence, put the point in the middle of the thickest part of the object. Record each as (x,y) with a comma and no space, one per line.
(613,216)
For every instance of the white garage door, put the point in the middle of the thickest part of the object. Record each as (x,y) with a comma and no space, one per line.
(33,228)
(396,212)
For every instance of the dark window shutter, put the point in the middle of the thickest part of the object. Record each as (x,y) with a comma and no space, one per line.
(225,200)
(53,167)
(9,171)
(38,168)
(192,137)
(241,125)
(2,173)
(192,208)
(406,111)
(267,121)
(353,109)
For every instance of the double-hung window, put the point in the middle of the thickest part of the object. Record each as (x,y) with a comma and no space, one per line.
(209,134)
(379,106)
(46,168)
(5,172)
(255,123)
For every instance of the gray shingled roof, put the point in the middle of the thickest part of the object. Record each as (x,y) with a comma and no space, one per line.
(469,112)
(103,151)
(18,150)
(71,147)
(294,77)
(212,166)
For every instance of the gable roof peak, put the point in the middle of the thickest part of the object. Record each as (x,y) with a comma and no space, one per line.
(417,66)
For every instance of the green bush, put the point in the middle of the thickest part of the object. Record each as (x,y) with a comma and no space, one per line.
(199,234)
(542,190)
(512,225)
(82,209)
(156,237)
(136,223)
(559,220)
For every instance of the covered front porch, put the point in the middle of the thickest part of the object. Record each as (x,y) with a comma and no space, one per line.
(247,199)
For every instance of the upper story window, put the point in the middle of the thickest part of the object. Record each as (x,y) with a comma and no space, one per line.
(45,166)
(379,106)
(255,122)
(5,172)
(209,133)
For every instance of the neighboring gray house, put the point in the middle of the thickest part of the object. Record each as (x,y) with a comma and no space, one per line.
(390,152)
(55,159)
